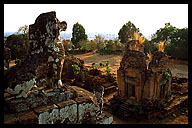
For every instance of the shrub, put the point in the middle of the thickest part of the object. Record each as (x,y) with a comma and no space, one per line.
(87,45)
(93,66)
(111,47)
(76,69)
(92,45)
(107,63)
(101,64)
(108,70)
(18,60)
(166,75)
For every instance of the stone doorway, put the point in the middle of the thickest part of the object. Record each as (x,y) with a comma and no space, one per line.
(126,89)
(129,89)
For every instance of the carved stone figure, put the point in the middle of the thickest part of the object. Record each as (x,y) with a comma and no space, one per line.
(46,50)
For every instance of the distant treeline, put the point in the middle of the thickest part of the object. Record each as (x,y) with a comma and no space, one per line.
(175,39)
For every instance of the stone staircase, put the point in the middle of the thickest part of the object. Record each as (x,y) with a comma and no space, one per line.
(126,109)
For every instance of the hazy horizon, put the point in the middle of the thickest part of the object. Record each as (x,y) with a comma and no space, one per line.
(100,18)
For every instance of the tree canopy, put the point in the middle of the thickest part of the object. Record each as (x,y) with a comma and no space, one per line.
(176,40)
(78,34)
(127,32)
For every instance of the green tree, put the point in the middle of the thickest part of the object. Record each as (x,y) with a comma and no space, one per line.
(100,42)
(127,32)
(176,40)
(149,46)
(78,34)
(166,34)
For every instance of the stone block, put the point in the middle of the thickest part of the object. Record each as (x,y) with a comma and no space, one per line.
(52,96)
(9,119)
(28,117)
(84,95)
(42,109)
(65,103)
(66,113)
(17,104)
(86,109)
(69,113)
(34,100)
(108,120)
(47,114)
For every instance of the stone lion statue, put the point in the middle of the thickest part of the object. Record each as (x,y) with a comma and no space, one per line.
(46,53)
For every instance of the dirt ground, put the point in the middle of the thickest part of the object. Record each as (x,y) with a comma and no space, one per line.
(178,68)
(91,57)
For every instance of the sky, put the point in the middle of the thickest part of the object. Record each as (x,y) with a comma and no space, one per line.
(100,18)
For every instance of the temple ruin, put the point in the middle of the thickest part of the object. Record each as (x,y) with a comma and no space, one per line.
(43,89)
(137,80)
(35,91)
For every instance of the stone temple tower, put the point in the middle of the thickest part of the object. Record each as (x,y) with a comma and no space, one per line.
(135,80)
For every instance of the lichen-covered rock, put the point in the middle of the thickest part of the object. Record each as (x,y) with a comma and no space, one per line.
(45,48)
(22,88)
(69,113)
(87,104)
(87,110)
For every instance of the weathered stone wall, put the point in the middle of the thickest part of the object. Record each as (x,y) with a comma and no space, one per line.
(121,82)
(74,105)
(132,73)
(72,111)
(159,62)
(159,86)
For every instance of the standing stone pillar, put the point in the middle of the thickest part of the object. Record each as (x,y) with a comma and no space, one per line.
(99,91)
